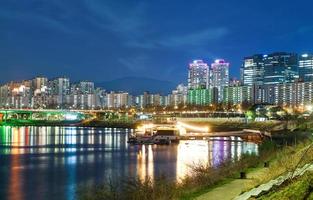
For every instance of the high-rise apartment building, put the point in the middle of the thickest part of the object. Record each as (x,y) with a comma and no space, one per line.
(5,94)
(238,94)
(179,95)
(219,74)
(18,94)
(117,99)
(86,87)
(201,97)
(59,88)
(39,84)
(198,75)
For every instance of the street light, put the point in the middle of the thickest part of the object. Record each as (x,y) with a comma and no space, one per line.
(309,108)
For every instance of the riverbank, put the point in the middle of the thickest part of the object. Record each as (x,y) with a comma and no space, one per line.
(203,182)
(214,126)
(201,178)
(93,123)
(198,181)
(217,125)
(234,187)
(289,160)
(299,188)
(93,155)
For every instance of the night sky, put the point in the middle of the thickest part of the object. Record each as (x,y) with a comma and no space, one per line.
(103,40)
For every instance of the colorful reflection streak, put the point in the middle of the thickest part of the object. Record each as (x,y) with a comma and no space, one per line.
(190,153)
(25,140)
(211,153)
(52,162)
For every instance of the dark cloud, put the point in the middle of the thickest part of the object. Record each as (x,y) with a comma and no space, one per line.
(104,40)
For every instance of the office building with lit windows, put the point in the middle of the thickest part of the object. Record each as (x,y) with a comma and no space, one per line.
(280,67)
(252,70)
(306,67)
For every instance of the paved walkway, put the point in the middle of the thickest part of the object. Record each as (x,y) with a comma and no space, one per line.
(275,182)
(232,189)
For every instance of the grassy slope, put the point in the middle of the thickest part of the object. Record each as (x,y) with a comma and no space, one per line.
(301,188)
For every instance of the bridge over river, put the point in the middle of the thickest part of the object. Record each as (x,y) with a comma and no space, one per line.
(248,134)
(36,116)
(56,117)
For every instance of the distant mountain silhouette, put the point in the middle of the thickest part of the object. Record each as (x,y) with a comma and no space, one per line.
(137,85)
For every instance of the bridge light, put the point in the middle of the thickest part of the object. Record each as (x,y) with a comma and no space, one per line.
(309,108)
(195,128)
(70,117)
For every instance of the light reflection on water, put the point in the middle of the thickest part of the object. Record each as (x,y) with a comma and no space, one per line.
(50,162)
(29,140)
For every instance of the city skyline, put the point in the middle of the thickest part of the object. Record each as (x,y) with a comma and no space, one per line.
(114,40)
(279,78)
(302,64)
(137,99)
(237,76)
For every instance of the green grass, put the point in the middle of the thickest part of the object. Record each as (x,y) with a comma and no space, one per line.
(301,188)
(202,179)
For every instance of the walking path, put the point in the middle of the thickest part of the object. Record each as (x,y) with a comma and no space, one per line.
(232,189)
(275,182)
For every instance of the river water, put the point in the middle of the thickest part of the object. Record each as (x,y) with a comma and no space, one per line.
(52,162)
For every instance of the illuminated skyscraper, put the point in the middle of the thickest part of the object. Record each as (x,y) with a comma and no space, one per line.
(201,97)
(39,90)
(179,95)
(117,99)
(280,67)
(59,88)
(198,75)
(219,75)
(87,87)
(39,83)
(253,70)
(306,67)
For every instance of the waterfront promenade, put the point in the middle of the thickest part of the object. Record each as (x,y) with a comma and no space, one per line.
(233,188)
